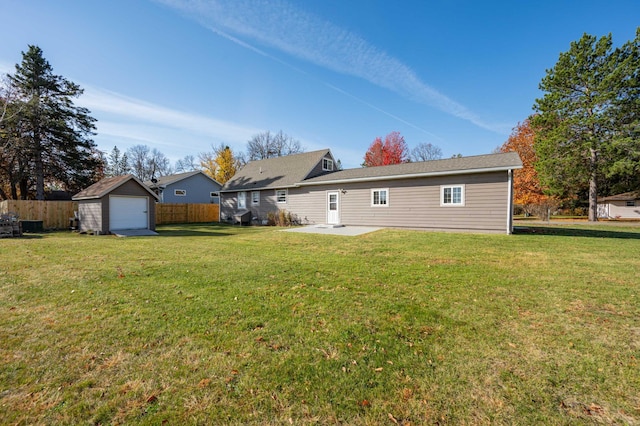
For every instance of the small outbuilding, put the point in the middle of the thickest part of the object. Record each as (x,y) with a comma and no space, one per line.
(115,204)
(620,206)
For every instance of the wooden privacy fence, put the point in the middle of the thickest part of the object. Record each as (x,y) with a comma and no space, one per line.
(56,214)
(53,214)
(186,213)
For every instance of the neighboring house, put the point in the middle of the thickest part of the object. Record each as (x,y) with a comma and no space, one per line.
(620,206)
(115,204)
(191,187)
(467,193)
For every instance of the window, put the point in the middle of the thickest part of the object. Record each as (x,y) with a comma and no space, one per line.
(255,198)
(242,200)
(281,196)
(180,192)
(631,203)
(452,195)
(214,194)
(327,164)
(380,197)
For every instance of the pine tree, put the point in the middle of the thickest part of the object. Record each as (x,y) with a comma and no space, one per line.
(54,134)
(588,119)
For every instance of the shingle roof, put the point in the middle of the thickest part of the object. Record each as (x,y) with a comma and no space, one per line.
(627,196)
(168,180)
(292,170)
(103,187)
(278,172)
(450,166)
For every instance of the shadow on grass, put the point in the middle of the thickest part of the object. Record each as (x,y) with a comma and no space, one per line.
(30,236)
(204,230)
(564,231)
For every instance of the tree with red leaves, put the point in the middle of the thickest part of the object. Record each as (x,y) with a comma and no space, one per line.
(393,150)
(527,190)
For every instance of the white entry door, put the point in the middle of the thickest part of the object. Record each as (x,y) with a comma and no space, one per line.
(128,213)
(333,208)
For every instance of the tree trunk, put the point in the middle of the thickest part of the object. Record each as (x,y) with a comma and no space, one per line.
(24,189)
(593,187)
(38,165)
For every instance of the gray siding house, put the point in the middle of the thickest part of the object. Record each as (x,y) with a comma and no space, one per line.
(465,194)
(115,204)
(191,187)
(620,206)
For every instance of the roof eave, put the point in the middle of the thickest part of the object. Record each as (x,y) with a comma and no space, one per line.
(411,176)
(260,188)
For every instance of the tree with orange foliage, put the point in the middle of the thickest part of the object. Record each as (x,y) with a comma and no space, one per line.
(393,150)
(527,190)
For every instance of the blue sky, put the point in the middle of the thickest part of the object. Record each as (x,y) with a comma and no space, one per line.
(183,75)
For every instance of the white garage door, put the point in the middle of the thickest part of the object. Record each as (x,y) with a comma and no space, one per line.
(128,213)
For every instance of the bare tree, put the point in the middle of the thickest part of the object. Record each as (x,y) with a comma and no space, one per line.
(187,164)
(146,163)
(426,152)
(268,145)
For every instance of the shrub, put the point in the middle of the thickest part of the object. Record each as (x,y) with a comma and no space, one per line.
(282,218)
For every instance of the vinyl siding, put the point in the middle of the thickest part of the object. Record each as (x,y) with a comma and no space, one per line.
(90,215)
(268,204)
(100,220)
(317,170)
(412,203)
(619,209)
(198,187)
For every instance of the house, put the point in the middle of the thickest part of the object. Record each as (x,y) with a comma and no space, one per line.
(191,187)
(116,203)
(620,206)
(468,193)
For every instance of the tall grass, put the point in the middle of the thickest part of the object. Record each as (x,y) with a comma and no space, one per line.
(229,325)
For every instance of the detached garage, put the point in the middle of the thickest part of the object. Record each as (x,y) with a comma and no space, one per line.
(116,204)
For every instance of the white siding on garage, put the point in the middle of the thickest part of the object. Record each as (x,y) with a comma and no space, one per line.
(128,213)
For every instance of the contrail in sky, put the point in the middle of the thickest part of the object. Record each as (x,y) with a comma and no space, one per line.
(282,26)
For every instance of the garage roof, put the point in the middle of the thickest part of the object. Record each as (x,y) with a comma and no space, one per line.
(107,185)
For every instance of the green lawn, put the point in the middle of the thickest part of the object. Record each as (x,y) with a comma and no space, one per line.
(214,324)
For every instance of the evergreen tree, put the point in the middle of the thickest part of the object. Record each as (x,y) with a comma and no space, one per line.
(587,126)
(117,163)
(53,136)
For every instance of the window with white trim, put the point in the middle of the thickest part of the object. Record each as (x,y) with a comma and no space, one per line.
(242,200)
(452,195)
(631,203)
(180,192)
(255,198)
(327,164)
(281,196)
(380,197)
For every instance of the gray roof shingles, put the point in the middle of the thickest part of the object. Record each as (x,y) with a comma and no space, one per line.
(277,172)
(627,196)
(292,170)
(169,179)
(105,186)
(509,160)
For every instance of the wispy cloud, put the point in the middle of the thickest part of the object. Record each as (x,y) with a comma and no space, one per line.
(125,121)
(122,118)
(280,25)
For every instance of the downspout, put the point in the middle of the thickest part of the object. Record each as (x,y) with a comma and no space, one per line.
(510,204)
